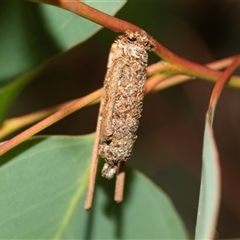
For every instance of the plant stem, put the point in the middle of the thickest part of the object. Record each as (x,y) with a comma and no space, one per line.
(173,80)
(219,86)
(117,25)
(93,167)
(49,121)
(119,185)
(158,81)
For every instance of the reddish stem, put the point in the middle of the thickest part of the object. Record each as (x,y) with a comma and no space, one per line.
(223,79)
(49,121)
(117,25)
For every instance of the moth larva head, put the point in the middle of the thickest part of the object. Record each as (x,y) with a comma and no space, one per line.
(140,39)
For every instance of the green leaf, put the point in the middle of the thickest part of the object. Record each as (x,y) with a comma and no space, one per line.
(43,183)
(30,34)
(9,92)
(67,29)
(209,199)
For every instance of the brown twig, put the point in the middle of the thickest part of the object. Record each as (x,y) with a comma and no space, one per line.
(13,124)
(93,166)
(120,180)
(171,81)
(156,82)
(49,121)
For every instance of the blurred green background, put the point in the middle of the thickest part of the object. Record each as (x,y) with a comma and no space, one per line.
(168,149)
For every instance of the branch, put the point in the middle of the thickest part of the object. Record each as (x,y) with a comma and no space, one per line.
(157,81)
(183,66)
(74,106)
(218,87)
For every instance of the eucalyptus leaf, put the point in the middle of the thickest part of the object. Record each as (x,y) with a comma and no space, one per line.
(43,183)
(68,29)
(31,34)
(209,199)
(9,92)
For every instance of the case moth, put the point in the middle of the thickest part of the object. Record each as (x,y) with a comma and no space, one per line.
(121,104)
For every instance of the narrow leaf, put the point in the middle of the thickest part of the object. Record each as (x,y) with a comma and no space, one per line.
(210,188)
(209,199)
